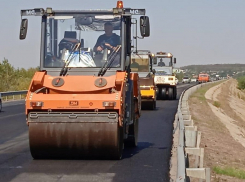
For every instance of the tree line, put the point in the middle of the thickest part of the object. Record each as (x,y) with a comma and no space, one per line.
(216,67)
(14,79)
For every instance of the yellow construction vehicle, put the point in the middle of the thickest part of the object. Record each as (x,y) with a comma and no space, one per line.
(141,62)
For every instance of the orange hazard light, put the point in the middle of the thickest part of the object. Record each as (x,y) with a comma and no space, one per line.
(119,4)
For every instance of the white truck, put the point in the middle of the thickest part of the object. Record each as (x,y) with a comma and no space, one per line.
(165,79)
(193,80)
(186,79)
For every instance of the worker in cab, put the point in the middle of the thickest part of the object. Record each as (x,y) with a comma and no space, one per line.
(134,64)
(161,63)
(108,40)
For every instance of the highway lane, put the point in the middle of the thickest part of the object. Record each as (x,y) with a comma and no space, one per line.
(12,120)
(148,162)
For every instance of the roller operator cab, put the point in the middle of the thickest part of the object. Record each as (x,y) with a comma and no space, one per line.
(141,63)
(85,102)
(165,78)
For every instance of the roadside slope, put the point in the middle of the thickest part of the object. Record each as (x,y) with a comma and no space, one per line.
(216,112)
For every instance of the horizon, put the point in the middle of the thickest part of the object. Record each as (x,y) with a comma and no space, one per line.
(195,32)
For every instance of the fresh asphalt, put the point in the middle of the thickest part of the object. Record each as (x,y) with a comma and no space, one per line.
(147,162)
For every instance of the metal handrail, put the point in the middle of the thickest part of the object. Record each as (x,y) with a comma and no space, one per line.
(181,169)
(5,96)
(22,92)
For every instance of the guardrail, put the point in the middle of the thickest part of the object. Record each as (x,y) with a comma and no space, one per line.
(13,95)
(189,142)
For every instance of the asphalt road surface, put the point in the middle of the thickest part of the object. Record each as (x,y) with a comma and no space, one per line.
(148,162)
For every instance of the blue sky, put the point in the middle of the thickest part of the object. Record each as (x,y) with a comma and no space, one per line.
(194,31)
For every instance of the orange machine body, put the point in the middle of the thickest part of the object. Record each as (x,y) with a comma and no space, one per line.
(85,102)
(80,93)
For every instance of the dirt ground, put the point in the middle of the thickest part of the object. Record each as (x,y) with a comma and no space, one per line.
(220,116)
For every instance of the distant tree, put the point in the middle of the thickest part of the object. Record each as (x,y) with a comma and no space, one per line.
(7,75)
(180,76)
(14,79)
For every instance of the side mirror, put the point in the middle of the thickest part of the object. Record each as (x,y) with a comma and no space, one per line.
(174,60)
(155,61)
(144,26)
(23,28)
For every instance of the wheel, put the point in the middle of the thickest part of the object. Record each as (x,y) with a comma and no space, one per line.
(1,105)
(118,154)
(170,93)
(132,140)
(163,94)
(76,140)
(154,105)
(175,93)
(151,105)
(158,90)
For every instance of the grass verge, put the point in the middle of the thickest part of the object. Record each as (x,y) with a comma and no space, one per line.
(230,171)
(216,138)
(200,93)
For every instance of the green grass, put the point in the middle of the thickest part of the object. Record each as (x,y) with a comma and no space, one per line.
(241,83)
(230,171)
(200,93)
(216,104)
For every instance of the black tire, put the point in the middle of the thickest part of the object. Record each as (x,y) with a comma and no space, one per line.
(163,93)
(170,93)
(151,105)
(118,154)
(132,140)
(154,105)
(158,91)
(175,93)
(1,105)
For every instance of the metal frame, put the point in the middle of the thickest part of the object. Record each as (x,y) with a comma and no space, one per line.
(125,12)
(13,94)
